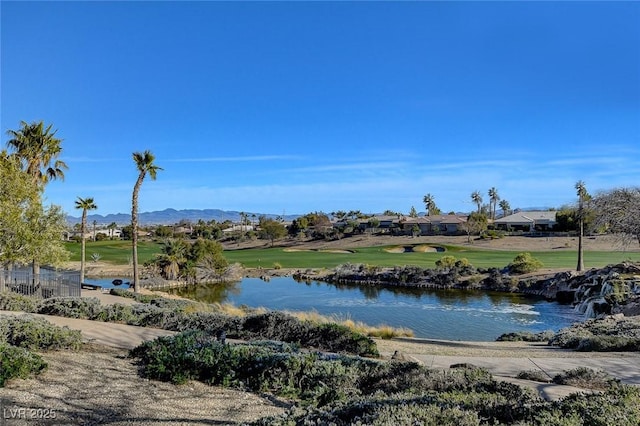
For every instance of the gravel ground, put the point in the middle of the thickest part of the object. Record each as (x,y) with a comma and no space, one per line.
(99,385)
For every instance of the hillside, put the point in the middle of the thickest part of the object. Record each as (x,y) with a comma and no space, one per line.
(171,216)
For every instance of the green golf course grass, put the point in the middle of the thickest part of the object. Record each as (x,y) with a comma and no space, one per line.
(119,252)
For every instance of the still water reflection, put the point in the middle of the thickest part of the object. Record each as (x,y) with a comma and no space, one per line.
(437,314)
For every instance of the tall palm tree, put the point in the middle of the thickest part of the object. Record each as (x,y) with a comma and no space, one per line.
(112,226)
(85,204)
(493,201)
(144,164)
(430,204)
(38,150)
(477,199)
(583,196)
(505,206)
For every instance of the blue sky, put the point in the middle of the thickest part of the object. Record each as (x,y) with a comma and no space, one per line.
(303,106)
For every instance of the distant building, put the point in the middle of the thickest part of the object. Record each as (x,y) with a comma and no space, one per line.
(436,224)
(527,221)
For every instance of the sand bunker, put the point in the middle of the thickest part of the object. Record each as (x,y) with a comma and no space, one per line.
(422,248)
(320,250)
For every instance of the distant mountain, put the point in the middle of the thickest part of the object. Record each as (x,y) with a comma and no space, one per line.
(171,216)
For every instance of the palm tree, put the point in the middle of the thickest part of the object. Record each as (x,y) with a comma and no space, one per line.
(493,201)
(85,204)
(112,226)
(38,150)
(583,196)
(36,147)
(477,199)
(144,164)
(505,206)
(173,258)
(430,204)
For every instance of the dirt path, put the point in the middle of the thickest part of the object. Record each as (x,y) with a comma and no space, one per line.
(99,385)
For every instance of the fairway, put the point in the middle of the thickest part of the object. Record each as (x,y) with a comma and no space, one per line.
(119,253)
(379,256)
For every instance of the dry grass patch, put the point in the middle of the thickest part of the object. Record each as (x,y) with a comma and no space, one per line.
(382,331)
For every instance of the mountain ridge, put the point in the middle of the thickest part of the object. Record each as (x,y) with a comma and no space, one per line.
(170,216)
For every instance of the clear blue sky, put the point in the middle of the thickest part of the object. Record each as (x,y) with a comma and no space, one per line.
(297,107)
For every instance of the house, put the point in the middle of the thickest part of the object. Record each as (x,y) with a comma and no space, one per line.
(436,224)
(527,221)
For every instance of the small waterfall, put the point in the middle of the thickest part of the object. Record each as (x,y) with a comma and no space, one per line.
(606,289)
(591,307)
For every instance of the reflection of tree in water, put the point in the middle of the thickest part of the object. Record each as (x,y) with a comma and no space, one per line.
(209,293)
(443,296)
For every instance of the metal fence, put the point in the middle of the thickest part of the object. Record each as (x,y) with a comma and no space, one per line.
(48,283)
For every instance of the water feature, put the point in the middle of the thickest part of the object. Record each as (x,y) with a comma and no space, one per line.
(437,314)
(108,282)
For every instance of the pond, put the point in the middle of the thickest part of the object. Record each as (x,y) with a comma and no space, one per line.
(435,314)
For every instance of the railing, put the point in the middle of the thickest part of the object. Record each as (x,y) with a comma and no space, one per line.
(48,283)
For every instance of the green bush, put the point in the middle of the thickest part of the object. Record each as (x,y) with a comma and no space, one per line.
(618,405)
(534,375)
(583,377)
(18,363)
(446,262)
(318,379)
(10,301)
(70,307)
(173,314)
(526,336)
(37,334)
(602,335)
(524,263)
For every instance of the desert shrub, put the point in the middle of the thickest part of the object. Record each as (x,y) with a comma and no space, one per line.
(331,337)
(526,336)
(535,375)
(524,263)
(176,315)
(377,412)
(583,377)
(18,363)
(196,355)
(116,313)
(141,298)
(37,334)
(446,262)
(70,307)
(606,334)
(316,378)
(617,405)
(10,301)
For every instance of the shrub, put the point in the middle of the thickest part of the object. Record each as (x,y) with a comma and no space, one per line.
(18,363)
(313,378)
(446,262)
(10,301)
(585,378)
(331,337)
(524,263)
(37,334)
(526,336)
(70,307)
(535,375)
(607,334)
